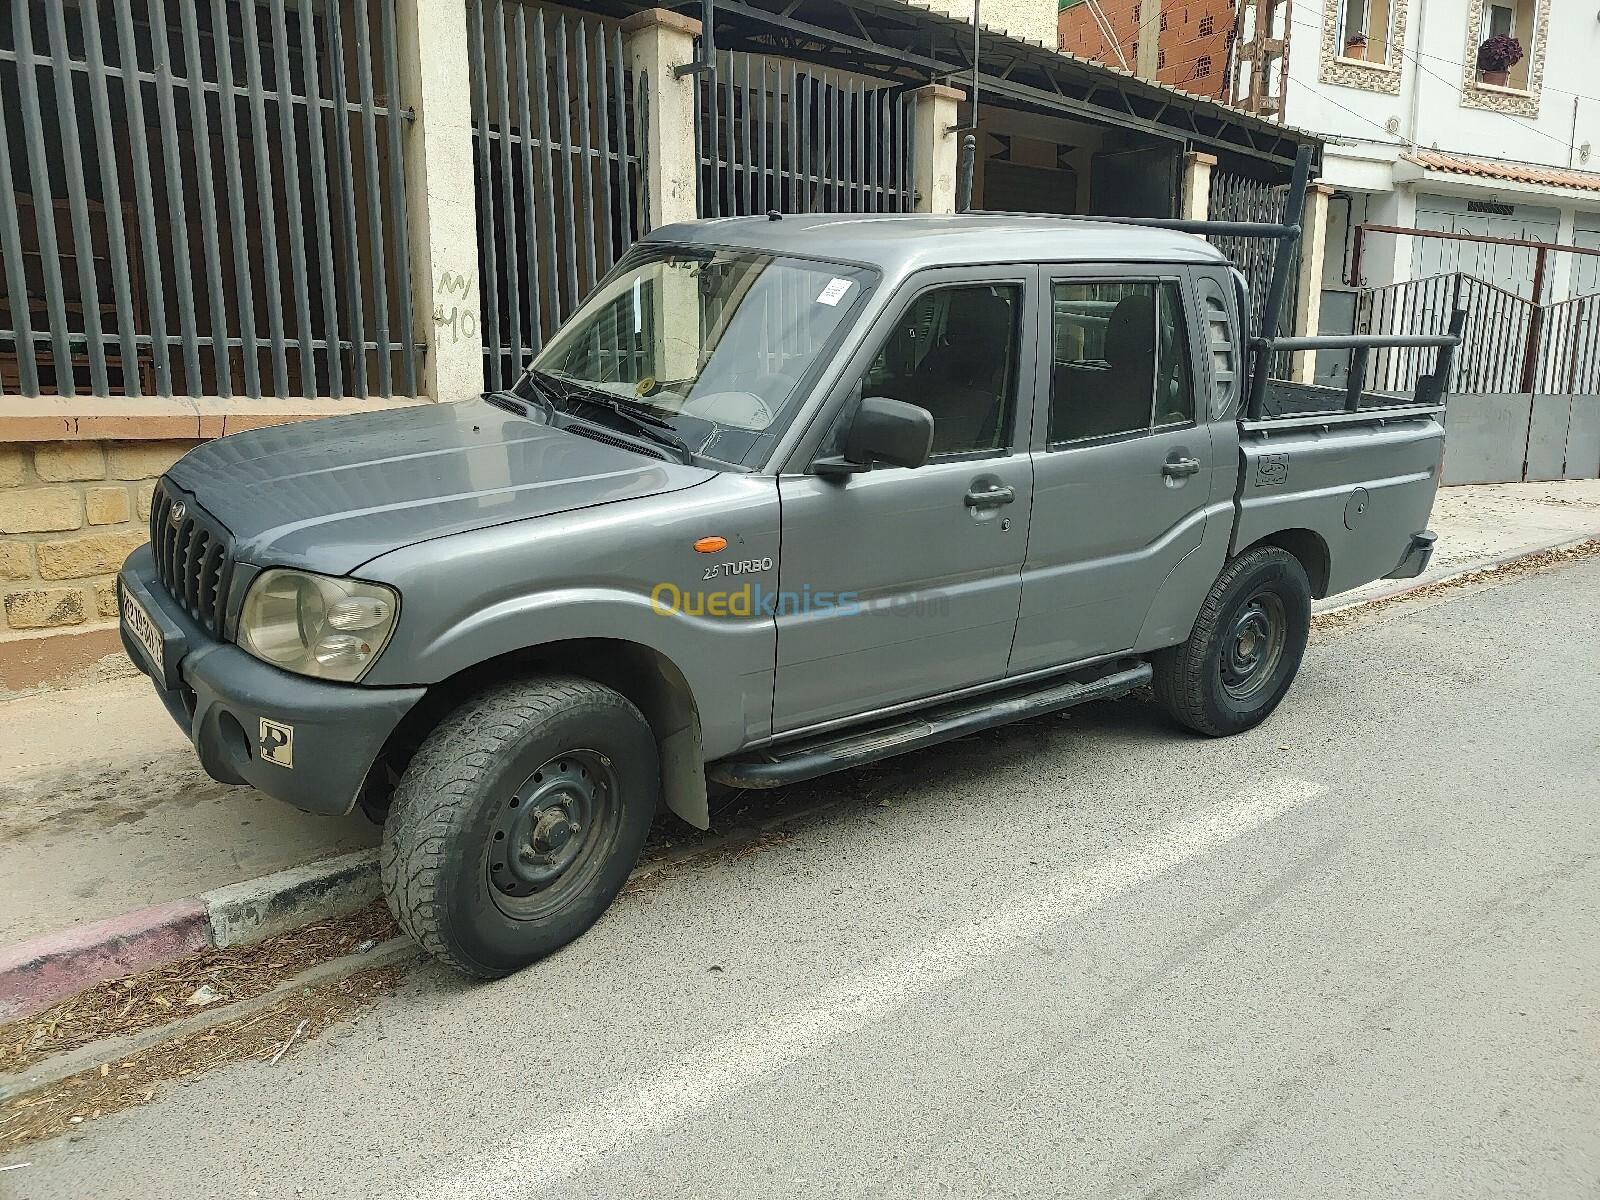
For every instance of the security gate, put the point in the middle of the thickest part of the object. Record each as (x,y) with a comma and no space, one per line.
(556,135)
(203,198)
(773,134)
(1524,394)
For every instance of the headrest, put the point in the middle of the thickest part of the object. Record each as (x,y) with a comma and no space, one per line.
(1131,332)
(984,320)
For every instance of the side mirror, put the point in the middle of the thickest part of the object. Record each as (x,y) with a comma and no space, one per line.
(886,431)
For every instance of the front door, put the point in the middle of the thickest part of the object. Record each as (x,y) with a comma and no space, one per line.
(1122,469)
(898,584)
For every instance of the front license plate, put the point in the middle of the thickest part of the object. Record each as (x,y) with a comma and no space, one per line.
(137,622)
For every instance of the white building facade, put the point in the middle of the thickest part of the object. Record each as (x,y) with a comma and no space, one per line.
(1421,136)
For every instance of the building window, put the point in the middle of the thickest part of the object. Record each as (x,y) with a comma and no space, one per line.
(1507,29)
(1503,60)
(1366,31)
(1202,66)
(1163,20)
(1208,25)
(1161,59)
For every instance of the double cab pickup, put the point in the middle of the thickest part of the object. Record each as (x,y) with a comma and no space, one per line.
(784,496)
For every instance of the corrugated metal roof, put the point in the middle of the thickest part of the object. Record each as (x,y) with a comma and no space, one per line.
(1480,168)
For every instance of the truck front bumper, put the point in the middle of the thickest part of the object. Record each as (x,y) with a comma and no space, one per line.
(302,741)
(1415,560)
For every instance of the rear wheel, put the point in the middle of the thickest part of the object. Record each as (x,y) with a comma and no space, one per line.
(1245,648)
(518,821)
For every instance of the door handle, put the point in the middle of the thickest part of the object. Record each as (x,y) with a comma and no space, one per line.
(1180,468)
(985,497)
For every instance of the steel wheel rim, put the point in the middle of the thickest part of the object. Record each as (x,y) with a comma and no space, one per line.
(551,834)
(1254,645)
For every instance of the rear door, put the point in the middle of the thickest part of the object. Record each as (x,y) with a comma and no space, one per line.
(1123,464)
(900,584)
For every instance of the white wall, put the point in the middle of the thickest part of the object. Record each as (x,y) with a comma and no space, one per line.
(1572,65)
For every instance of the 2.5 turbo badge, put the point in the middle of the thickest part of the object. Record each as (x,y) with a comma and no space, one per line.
(745,566)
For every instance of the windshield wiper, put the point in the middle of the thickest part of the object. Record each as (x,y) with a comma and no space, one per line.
(637,418)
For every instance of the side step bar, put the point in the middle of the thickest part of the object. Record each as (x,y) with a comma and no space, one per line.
(780,765)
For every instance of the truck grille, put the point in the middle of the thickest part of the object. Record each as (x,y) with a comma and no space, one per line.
(194,556)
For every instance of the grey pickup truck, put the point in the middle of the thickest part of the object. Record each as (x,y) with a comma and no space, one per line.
(785,495)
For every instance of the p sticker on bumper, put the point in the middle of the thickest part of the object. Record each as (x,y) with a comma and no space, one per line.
(277,743)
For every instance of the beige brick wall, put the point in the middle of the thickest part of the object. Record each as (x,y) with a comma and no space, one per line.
(70,512)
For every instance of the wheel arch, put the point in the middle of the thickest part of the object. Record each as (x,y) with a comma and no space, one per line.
(647,677)
(1306,545)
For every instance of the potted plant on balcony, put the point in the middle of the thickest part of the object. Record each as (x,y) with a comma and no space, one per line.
(1496,57)
(1355,45)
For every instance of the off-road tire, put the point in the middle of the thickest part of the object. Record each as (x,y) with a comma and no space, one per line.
(439,838)
(1189,678)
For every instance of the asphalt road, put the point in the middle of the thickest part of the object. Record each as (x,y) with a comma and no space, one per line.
(1353,953)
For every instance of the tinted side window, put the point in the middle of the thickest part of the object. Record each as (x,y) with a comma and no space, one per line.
(1121,359)
(954,353)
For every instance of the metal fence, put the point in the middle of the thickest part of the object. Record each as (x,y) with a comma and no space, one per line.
(771,134)
(1240,198)
(1570,364)
(205,197)
(557,140)
(1503,340)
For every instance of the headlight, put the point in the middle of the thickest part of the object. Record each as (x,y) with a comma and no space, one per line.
(316,625)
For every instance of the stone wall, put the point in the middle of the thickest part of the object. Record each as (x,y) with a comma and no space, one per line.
(70,512)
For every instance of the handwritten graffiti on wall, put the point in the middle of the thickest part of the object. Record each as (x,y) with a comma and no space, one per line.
(455,306)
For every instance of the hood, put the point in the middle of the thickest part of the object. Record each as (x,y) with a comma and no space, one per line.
(330,495)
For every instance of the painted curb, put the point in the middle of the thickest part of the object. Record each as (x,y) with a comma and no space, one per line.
(258,908)
(42,970)
(36,973)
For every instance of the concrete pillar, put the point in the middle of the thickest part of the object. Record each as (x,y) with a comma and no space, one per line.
(441,202)
(1147,61)
(1196,198)
(1308,293)
(935,149)
(656,42)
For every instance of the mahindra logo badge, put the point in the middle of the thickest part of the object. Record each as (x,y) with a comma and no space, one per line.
(180,510)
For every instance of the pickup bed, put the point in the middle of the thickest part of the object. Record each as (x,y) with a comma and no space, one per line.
(785,495)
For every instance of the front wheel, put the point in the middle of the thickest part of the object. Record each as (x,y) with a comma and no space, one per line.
(1245,648)
(517,822)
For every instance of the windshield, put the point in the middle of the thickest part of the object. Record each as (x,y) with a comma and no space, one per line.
(712,344)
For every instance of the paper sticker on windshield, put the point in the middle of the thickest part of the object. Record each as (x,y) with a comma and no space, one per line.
(834,292)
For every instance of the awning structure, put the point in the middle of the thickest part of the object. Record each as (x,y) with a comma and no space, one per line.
(919,44)
(1504,172)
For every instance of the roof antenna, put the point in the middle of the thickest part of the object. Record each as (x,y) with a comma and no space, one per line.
(969,141)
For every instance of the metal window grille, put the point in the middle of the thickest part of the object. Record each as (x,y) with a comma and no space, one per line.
(203,197)
(771,134)
(556,136)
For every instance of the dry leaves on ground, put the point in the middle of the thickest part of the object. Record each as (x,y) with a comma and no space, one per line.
(286,1026)
(154,997)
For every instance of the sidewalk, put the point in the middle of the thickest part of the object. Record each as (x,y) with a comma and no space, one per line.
(103,808)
